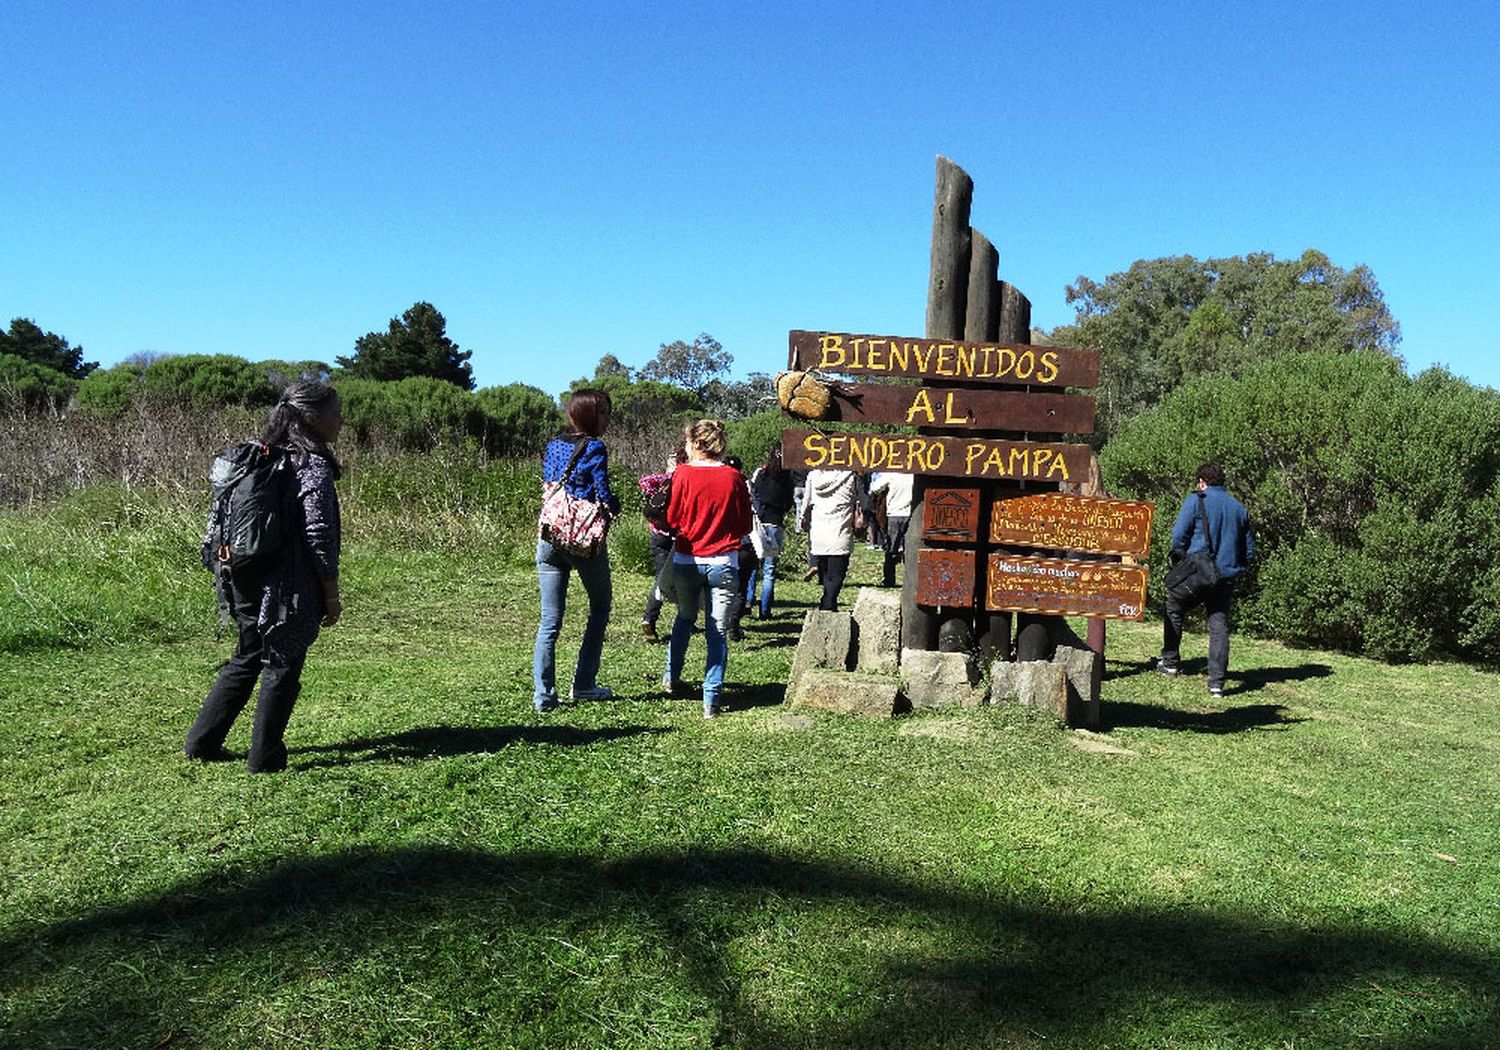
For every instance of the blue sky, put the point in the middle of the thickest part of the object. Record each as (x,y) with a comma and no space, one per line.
(569,180)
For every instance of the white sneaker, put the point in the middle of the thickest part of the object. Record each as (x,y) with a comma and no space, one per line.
(599,692)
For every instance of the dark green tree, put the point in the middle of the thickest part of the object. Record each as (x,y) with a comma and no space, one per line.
(47,349)
(692,366)
(1166,320)
(415,344)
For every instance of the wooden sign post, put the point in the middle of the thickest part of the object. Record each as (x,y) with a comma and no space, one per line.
(996,526)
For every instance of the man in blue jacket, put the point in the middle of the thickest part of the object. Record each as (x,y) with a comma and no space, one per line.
(1229,529)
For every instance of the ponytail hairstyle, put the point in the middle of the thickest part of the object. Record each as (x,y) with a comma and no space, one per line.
(289,424)
(707,436)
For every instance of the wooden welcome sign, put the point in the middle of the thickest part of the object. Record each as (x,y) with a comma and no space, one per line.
(970,388)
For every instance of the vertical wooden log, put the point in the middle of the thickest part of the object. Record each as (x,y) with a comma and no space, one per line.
(947,300)
(948,275)
(1015,315)
(982,312)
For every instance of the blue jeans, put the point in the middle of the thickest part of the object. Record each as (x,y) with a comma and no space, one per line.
(688,584)
(766,572)
(552,569)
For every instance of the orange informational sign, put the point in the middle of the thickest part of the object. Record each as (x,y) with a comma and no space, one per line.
(950,515)
(946,578)
(1073,523)
(1065,587)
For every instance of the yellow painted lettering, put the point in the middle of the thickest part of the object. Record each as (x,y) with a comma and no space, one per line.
(948,416)
(833,351)
(987,368)
(936,453)
(1026,364)
(1039,460)
(965,363)
(816,447)
(995,461)
(900,356)
(1007,361)
(972,452)
(945,359)
(838,451)
(1059,468)
(923,354)
(1019,458)
(856,345)
(876,362)
(859,450)
(1048,370)
(921,403)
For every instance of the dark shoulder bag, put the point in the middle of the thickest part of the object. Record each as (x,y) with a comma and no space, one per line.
(1196,574)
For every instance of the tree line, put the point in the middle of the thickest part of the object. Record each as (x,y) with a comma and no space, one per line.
(1375,494)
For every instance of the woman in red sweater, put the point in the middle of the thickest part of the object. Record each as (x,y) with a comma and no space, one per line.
(709,513)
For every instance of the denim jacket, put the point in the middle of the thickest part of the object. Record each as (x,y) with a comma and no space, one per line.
(1228,523)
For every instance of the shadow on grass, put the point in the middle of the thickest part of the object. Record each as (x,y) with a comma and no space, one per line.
(447,741)
(1121,714)
(1249,681)
(740,948)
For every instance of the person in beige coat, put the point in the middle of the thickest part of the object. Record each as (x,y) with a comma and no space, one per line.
(828,515)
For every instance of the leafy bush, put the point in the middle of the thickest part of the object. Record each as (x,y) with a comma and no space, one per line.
(753,437)
(33,386)
(207,381)
(110,391)
(517,419)
(412,415)
(1374,496)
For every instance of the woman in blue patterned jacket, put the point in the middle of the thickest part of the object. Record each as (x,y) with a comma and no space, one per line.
(278,608)
(588,414)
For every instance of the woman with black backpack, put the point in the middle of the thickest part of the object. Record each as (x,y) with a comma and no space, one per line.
(285,585)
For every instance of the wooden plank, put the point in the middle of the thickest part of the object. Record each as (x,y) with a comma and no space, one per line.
(1061,586)
(946,578)
(972,457)
(1073,523)
(952,515)
(962,408)
(1000,364)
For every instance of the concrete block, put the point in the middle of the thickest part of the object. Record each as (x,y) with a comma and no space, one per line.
(1035,683)
(934,680)
(1085,671)
(846,693)
(877,630)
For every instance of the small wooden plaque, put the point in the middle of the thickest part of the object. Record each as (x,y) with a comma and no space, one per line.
(1065,587)
(1073,523)
(951,516)
(946,578)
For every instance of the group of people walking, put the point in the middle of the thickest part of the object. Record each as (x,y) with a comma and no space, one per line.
(717,538)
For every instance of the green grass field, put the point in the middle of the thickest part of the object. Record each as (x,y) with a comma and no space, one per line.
(1311,862)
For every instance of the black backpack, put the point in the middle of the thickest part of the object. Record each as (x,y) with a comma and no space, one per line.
(248,523)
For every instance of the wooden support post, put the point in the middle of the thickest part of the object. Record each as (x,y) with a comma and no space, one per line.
(947,301)
(1015,315)
(982,312)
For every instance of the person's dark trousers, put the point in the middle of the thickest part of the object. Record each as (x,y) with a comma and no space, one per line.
(280,674)
(661,553)
(832,568)
(895,550)
(1216,606)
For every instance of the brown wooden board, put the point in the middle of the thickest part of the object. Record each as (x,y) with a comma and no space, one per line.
(946,578)
(981,459)
(1065,587)
(952,516)
(1072,523)
(963,408)
(1000,364)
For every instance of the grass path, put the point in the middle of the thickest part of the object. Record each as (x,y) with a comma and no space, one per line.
(1310,862)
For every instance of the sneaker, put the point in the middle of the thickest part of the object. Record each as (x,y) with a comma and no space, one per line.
(544,707)
(598,692)
(671,686)
(736,633)
(1216,692)
(648,632)
(219,754)
(712,711)
(1170,670)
